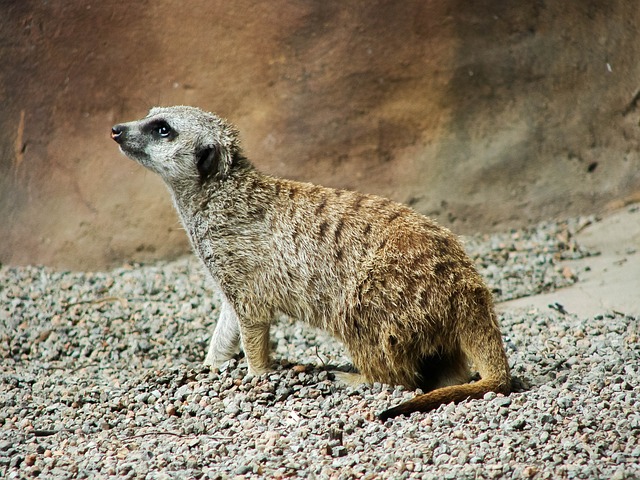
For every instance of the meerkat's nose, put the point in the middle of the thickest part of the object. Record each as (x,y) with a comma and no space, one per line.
(116,132)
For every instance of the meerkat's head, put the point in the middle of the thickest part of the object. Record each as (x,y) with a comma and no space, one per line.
(180,143)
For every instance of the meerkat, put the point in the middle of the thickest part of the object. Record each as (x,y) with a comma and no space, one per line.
(394,286)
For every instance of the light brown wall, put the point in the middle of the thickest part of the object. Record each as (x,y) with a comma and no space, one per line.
(479,113)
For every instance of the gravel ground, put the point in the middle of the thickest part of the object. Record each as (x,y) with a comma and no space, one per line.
(101,376)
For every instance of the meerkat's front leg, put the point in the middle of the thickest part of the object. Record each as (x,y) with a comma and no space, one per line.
(225,341)
(255,343)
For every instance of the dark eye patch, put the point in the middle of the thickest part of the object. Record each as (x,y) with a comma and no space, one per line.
(161,129)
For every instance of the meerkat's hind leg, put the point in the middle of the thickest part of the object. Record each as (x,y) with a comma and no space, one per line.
(225,341)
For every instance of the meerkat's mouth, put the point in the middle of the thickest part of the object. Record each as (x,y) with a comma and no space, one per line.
(119,133)
(135,154)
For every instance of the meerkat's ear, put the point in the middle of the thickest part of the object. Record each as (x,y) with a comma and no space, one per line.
(211,161)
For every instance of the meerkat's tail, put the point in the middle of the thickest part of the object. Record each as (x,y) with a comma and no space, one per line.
(456,393)
(480,342)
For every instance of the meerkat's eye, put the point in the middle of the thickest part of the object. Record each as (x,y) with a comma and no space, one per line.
(162,129)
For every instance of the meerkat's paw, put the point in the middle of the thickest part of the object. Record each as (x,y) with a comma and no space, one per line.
(216,355)
(350,379)
(215,363)
(212,363)
(257,371)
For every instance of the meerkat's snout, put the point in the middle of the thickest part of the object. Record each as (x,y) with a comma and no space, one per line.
(116,133)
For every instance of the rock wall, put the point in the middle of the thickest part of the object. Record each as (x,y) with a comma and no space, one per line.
(482,114)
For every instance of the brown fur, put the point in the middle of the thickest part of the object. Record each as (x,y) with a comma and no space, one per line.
(394,286)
